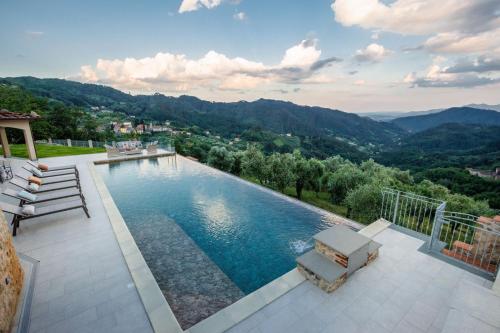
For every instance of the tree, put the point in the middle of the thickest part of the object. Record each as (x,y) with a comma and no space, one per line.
(236,166)
(281,170)
(302,172)
(220,158)
(347,178)
(317,171)
(254,163)
(363,202)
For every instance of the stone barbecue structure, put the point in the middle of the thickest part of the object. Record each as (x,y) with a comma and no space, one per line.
(11,277)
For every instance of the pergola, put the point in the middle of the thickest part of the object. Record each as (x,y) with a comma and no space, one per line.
(20,121)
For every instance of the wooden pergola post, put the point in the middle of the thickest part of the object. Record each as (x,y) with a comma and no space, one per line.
(20,121)
(5,142)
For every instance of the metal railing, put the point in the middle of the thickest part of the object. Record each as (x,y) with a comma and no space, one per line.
(409,210)
(460,237)
(455,236)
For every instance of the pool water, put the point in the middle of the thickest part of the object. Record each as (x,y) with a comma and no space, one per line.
(251,234)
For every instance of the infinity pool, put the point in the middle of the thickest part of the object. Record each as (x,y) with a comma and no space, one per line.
(192,222)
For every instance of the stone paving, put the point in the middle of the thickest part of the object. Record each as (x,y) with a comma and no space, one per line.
(83,283)
(404,290)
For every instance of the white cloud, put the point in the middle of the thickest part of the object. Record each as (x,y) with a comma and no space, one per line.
(192,5)
(300,64)
(240,16)
(455,42)
(34,34)
(301,55)
(375,35)
(439,76)
(372,53)
(456,26)
(359,82)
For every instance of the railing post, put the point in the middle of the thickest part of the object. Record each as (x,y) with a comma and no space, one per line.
(90,144)
(69,142)
(438,221)
(50,141)
(396,207)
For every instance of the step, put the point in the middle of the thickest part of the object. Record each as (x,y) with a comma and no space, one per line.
(322,272)
(344,246)
(373,247)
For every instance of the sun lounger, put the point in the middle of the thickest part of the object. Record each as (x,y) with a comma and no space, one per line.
(54,168)
(23,174)
(46,174)
(40,211)
(24,184)
(44,197)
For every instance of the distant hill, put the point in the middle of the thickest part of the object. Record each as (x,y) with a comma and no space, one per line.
(388,116)
(223,118)
(446,145)
(485,106)
(459,115)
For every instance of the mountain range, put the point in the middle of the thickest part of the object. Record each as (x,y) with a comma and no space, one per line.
(319,131)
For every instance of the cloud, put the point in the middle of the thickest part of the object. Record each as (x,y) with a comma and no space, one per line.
(481,64)
(439,77)
(359,82)
(241,16)
(372,53)
(456,42)
(192,5)
(465,26)
(300,64)
(34,34)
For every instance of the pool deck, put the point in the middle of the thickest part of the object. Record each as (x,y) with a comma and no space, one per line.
(85,285)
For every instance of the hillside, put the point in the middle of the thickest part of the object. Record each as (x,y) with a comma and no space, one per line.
(227,119)
(460,115)
(456,145)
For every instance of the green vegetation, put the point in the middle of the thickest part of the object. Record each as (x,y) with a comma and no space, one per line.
(336,184)
(19,150)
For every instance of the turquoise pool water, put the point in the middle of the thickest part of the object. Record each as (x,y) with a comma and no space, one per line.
(252,235)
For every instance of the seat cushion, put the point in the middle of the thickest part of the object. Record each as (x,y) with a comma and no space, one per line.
(43,167)
(26,195)
(28,210)
(36,180)
(36,172)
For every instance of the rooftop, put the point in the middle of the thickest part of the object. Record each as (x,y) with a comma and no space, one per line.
(8,115)
(84,284)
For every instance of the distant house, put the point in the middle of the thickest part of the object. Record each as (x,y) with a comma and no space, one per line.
(495,174)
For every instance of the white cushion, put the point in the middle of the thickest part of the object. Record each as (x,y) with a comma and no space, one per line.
(34,187)
(36,172)
(26,195)
(28,210)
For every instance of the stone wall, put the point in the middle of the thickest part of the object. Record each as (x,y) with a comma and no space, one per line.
(11,277)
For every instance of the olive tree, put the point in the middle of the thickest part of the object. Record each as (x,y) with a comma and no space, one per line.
(346,178)
(254,164)
(317,170)
(302,172)
(220,158)
(280,169)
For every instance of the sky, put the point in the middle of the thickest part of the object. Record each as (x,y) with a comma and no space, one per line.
(352,55)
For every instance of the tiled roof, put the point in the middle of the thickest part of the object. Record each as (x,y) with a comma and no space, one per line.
(7,115)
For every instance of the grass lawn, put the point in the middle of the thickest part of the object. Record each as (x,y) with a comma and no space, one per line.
(19,150)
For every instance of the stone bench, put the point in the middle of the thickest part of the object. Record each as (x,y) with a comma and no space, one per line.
(322,272)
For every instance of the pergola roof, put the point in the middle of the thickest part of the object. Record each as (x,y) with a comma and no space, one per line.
(7,115)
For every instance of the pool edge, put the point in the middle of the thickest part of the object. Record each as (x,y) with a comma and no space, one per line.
(159,313)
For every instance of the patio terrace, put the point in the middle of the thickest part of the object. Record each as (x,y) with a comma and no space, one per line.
(84,284)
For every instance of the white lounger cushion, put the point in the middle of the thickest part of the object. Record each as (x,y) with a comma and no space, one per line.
(28,210)
(36,172)
(34,187)
(26,195)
